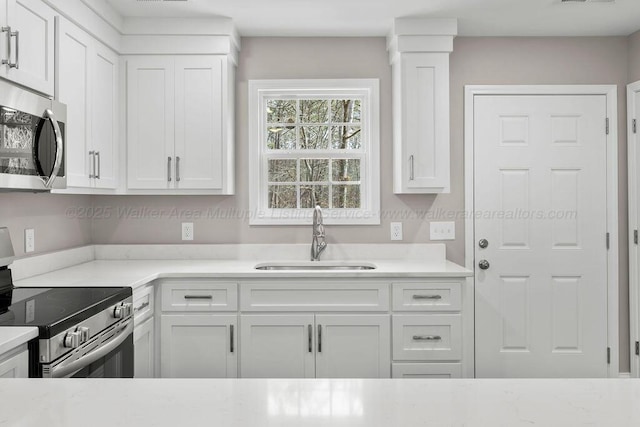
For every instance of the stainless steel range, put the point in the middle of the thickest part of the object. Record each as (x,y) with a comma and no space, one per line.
(83,332)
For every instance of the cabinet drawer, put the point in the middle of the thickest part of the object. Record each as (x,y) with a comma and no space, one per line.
(426,296)
(314,296)
(427,337)
(199,296)
(143,303)
(426,370)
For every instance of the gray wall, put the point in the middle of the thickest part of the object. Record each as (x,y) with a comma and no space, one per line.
(56,227)
(634,57)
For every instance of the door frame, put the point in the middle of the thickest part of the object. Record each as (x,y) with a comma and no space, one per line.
(610,92)
(633,173)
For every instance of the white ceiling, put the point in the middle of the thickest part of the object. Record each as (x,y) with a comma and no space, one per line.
(374,17)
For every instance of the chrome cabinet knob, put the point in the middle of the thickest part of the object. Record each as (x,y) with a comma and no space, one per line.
(71,340)
(483,243)
(484,264)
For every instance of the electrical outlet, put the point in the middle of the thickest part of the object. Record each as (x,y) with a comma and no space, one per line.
(396,231)
(29,240)
(442,230)
(187,231)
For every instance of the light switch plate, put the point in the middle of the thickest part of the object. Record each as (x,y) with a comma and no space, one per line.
(187,231)
(29,240)
(442,230)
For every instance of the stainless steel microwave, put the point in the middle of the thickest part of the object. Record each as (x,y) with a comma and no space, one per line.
(32,141)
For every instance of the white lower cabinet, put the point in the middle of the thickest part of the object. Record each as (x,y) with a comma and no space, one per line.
(143,350)
(277,346)
(308,346)
(198,346)
(426,370)
(15,364)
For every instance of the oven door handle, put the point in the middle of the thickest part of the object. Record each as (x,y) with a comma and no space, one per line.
(48,114)
(64,370)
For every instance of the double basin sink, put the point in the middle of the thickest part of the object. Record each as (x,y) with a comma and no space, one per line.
(315,266)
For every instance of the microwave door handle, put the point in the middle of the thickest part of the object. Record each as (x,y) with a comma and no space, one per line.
(48,114)
(63,370)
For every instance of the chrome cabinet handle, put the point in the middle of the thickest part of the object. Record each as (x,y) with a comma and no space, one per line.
(48,114)
(411,175)
(8,60)
(427,297)
(142,306)
(231,343)
(178,169)
(99,165)
(319,338)
(427,338)
(92,167)
(310,333)
(16,64)
(168,169)
(198,297)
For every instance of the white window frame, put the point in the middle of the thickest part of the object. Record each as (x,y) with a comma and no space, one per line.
(368,90)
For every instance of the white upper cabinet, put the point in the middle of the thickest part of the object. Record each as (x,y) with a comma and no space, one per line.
(87,83)
(27,44)
(180,133)
(419,54)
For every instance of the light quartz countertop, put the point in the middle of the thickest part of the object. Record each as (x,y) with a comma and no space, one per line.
(11,337)
(318,402)
(136,273)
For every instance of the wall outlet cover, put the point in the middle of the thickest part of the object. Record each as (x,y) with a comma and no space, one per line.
(396,231)
(187,231)
(29,240)
(442,230)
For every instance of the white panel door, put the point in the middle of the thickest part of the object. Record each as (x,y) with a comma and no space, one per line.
(143,350)
(104,125)
(633,143)
(150,122)
(198,121)
(33,46)
(16,366)
(198,346)
(540,200)
(277,346)
(353,346)
(74,90)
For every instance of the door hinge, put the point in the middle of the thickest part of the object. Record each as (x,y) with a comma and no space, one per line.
(635,236)
(635,126)
(608,355)
(607,125)
(607,240)
(637,348)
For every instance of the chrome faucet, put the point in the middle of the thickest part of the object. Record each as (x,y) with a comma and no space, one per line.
(317,241)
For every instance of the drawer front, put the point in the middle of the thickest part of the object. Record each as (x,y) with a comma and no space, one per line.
(426,370)
(426,296)
(427,337)
(314,296)
(143,304)
(198,296)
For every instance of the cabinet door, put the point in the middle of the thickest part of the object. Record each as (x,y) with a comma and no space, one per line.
(143,350)
(73,89)
(353,346)
(33,45)
(198,121)
(277,346)
(104,123)
(421,115)
(198,346)
(15,365)
(150,122)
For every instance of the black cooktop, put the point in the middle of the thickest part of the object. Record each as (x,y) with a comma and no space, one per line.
(54,310)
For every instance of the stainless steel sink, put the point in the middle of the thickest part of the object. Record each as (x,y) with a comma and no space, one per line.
(315,266)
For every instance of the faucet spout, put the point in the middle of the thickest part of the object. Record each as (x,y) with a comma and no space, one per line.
(318,243)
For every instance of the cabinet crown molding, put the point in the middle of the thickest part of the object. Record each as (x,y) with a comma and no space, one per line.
(421,35)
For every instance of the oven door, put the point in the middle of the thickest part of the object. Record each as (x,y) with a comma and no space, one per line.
(109,355)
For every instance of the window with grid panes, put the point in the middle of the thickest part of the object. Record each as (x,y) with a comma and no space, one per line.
(314,142)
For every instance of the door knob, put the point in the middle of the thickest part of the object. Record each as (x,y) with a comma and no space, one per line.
(483,264)
(483,243)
